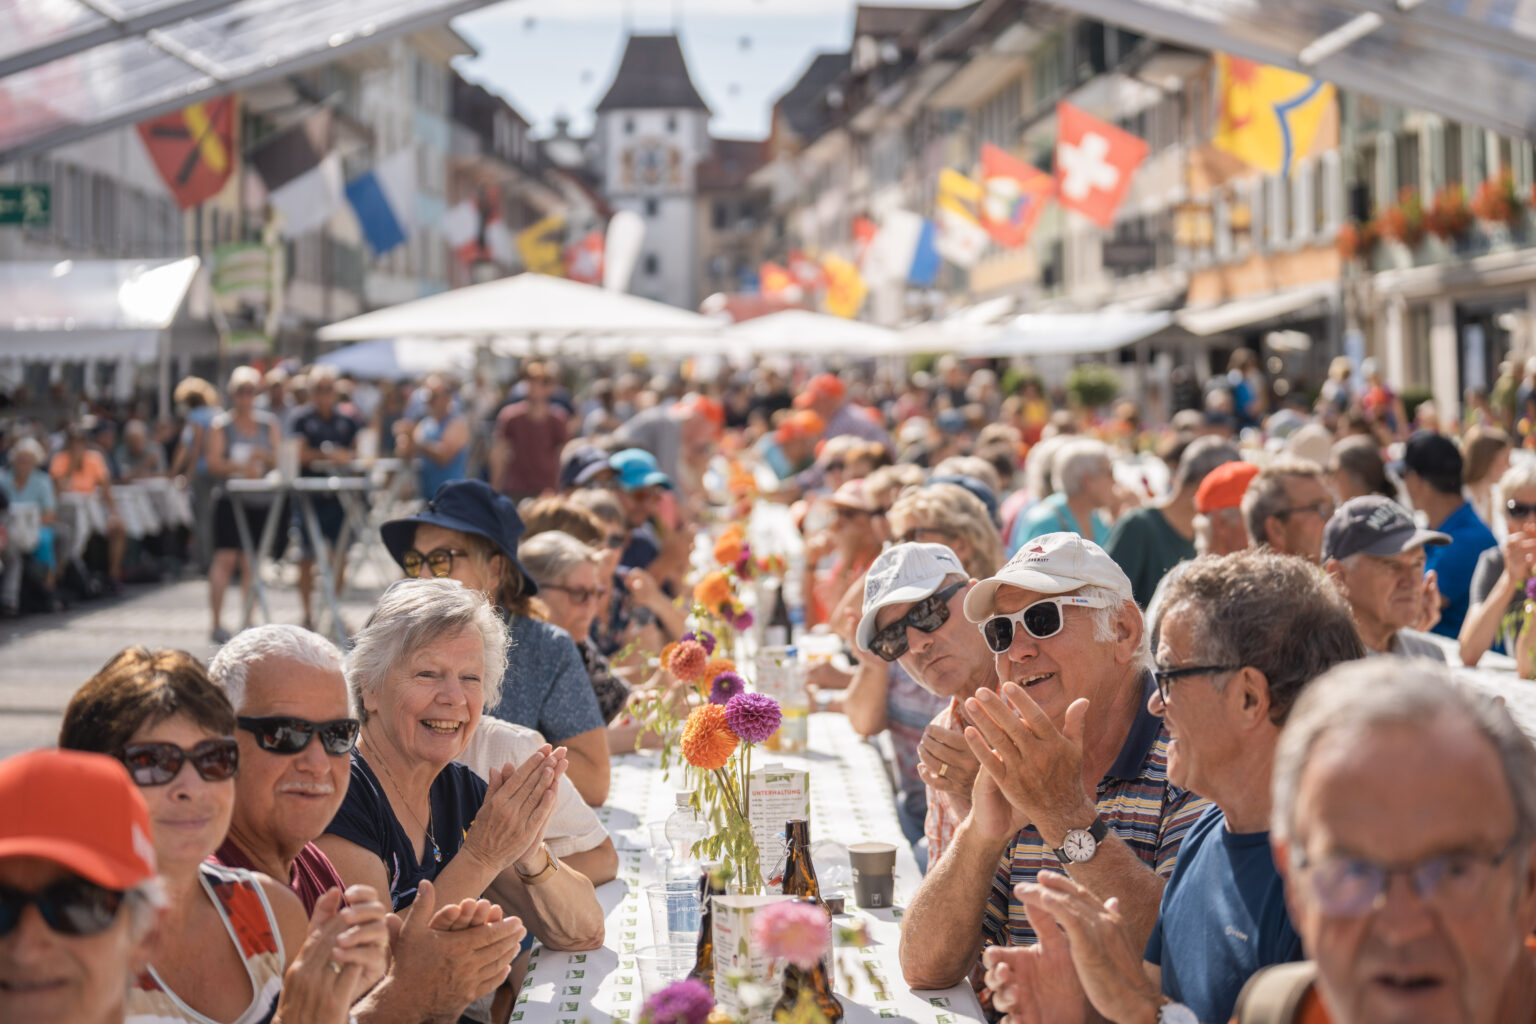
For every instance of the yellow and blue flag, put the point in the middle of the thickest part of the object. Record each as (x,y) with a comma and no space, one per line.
(1268,117)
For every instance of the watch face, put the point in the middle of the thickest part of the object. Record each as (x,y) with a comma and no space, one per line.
(1079,846)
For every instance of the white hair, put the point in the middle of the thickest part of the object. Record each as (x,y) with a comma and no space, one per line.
(241,376)
(412,614)
(1104,622)
(553,555)
(29,446)
(1076,461)
(230,668)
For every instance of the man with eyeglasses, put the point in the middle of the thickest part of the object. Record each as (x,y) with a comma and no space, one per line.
(79,900)
(296,734)
(1229,670)
(1403,822)
(1286,507)
(1375,553)
(1073,763)
(1431,472)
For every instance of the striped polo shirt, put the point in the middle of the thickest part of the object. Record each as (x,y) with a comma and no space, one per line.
(1136,801)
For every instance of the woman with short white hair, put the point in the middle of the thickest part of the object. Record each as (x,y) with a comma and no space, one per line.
(1083,483)
(24,483)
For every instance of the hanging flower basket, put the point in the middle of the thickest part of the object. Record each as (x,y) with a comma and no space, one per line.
(1404,222)
(1497,202)
(1356,241)
(1450,218)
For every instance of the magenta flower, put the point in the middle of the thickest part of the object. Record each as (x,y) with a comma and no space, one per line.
(1530,589)
(743,621)
(705,639)
(744,563)
(682,1002)
(726,686)
(799,932)
(753,716)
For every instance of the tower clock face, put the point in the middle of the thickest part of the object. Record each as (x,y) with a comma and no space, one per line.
(651,164)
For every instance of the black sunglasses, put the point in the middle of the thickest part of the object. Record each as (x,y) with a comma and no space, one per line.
(70,906)
(1168,675)
(1519,510)
(927,615)
(280,734)
(156,764)
(439,560)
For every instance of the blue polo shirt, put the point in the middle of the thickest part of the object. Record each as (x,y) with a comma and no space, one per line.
(1454,564)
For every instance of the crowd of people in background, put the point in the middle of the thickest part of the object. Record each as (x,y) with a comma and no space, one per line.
(1124,669)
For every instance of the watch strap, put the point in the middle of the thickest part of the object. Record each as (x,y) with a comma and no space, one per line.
(551,865)
(1098,830)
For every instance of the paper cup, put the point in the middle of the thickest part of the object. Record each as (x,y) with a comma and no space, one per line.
(874,874)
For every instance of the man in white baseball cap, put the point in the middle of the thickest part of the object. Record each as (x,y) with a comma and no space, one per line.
(1073,764)
(913,596)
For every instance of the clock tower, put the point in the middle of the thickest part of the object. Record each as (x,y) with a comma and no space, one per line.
(651,131)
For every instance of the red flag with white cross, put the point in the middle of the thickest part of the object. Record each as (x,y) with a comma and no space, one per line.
(1094,164)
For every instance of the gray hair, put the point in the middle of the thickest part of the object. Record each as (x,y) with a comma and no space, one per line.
(1381,692)
(553,555)
(1202,455)
(1250,609)
(1104,622)
(412,614)
(1520,476)
(600,503)
(29,446)
(968,465)
(1076,461)
(278,642)
(1037,464)
(1266,496)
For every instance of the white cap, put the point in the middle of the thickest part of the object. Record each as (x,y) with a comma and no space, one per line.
(904,573)
(1056,563)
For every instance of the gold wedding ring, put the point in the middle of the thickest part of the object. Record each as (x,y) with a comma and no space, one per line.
(335,967)
(943,769)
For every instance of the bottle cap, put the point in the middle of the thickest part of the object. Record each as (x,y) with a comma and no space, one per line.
(684,797)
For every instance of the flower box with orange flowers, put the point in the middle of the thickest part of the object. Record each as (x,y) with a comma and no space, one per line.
(1497,202)
(1357,241)
(1404,222)
(1450,218)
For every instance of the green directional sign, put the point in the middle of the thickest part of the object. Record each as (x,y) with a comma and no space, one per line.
(28,205)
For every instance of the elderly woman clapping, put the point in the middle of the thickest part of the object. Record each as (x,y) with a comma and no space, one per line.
(421,671)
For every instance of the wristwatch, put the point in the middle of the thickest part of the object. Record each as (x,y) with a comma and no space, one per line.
(1176,1013)
(543,874)
(1080,844)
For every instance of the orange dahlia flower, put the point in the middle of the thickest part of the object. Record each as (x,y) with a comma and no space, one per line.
(688,661)
(728,546)
(707,741)
(715,666)
(713,591)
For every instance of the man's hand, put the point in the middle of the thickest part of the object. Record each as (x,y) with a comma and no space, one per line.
(1109,965)
(318,988)
(1036,984)
(446,959)
(945,762)
(1038,767)
(990,809)
(365,942)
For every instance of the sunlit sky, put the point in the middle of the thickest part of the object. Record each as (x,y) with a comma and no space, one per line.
(554,57)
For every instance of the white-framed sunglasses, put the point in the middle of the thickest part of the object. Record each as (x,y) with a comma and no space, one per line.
(1041,620)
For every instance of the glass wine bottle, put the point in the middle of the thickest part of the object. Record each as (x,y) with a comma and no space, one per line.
(711,883)
(799,871)
(815,983)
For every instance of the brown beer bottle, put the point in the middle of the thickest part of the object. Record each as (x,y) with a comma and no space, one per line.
(799,872)
(816,983)
(711,883)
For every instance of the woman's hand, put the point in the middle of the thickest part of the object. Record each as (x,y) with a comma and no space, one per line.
(318,988)
(509,828)
(366,940)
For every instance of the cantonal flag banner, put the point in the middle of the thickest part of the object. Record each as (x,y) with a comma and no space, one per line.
(1094,164)
(193,149)
(960,238)
(1014,194)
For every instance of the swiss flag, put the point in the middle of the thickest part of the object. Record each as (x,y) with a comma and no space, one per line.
(584,259)
(1013,195)
(1094,164)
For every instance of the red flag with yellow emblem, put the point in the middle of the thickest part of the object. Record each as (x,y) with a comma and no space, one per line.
(193,149)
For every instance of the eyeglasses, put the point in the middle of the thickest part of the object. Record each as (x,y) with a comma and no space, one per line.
(579,595)
(616,541)
(1451,882)
(439,560)
(1519,510)
(1322,509)
(1168,675)
(156,764)
(281,734)
(1041,620)
(836,467)
(927,615)
(844,513)
(70,906)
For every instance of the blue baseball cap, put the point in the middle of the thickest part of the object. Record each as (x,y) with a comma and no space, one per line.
(637,468)
(468,506)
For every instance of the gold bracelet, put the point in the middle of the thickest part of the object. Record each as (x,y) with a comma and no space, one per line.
(544,874)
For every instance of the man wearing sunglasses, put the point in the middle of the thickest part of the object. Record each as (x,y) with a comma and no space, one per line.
(1376,553)
(296,734)
(1073,763)
(1229,670)
(78,895)
(1411,878)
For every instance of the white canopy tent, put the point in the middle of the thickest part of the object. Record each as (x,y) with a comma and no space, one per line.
(802,332)
(1042,334)
(971,325)
(529,314)
(402,358)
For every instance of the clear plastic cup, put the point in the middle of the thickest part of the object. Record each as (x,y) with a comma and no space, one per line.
(661,965)
(675,910)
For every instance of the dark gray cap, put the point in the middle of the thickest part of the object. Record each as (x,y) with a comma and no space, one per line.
(1374,525)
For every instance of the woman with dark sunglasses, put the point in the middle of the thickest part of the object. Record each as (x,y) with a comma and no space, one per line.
(1500,579)
(232,944)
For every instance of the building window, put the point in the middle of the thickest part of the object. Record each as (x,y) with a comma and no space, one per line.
(629,126)
(671,122)
(720,216)
(652,265)
(652,207)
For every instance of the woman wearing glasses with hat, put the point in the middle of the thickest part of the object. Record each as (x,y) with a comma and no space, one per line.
(1500,579)
(470,533)
(232,945)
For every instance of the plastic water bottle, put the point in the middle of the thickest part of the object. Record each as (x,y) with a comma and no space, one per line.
(684,828)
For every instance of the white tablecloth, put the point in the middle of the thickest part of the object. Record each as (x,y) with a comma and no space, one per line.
(851,802)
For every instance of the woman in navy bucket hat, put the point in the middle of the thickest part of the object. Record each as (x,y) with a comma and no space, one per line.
(468,532)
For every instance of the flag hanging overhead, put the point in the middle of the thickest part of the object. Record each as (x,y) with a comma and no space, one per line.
(845,292)
(774,282)
(1014,194)
(960,237)
(1268,117)
(303,178)
(584,259)
(1094,164)
(383,200)
(193,149)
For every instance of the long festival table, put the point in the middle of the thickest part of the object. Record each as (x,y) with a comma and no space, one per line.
(851,802)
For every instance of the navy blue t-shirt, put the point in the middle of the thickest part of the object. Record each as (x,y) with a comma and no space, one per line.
(338,429)
(1222,918)
(1454,564)
(643,547)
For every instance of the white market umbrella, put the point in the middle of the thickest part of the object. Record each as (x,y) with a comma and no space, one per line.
(800,331)
(402,358)
(547,312)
